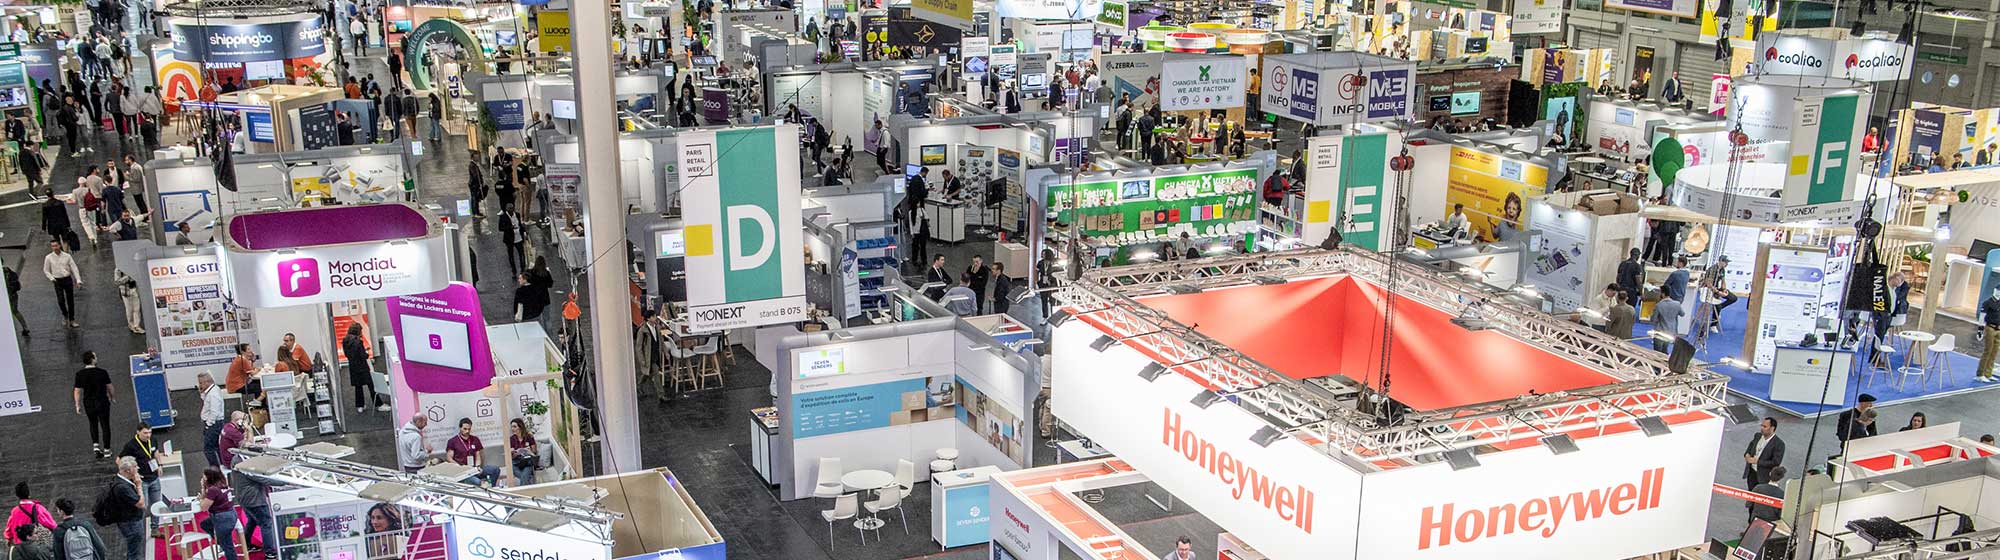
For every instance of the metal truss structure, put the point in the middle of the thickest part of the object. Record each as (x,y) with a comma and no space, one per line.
(1643,385)
(234,8)
(586,522)
(1977,544)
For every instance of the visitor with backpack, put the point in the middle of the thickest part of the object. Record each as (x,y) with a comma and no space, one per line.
(75,539)
(123,505)
(29,548)
(29,513)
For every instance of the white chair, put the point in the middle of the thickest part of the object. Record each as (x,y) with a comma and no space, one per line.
(844,507)
(828,483)
(1878,367)
(906,475)
(195,545)
(885,501)
(708,363)
(1939,361)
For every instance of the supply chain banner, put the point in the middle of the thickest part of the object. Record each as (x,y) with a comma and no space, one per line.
(248,42)
(745,250)
(198,329)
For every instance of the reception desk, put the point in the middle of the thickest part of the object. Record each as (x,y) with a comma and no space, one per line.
(1815,375)
(959,510)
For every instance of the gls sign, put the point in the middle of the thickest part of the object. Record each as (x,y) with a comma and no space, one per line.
(744,238)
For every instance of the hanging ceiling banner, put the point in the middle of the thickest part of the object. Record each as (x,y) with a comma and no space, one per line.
(744,239)
(955,13)
(1203,82)
(1681,8)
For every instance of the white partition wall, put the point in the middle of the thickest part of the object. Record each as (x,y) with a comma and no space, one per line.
(894,392)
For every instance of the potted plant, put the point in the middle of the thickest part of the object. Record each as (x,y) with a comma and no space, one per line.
(1919,257)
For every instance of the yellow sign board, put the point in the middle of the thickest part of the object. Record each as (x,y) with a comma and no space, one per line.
(554,29)
(955,13)
(1495,191)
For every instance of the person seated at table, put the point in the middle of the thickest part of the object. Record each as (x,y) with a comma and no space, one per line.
(242,375)
(466,449)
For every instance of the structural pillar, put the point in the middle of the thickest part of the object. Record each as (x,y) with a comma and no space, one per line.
(604,226)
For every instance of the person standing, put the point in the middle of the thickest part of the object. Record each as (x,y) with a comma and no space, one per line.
(62,272)
(976,277)
(1765,453)
(412,452)
(961,300)
(1631,275)
(135,176)
(1666,318)
(1858,422)
(32,166)
(1677,281)
(251,494)
(1619,319)
(91,396)
(529,299)
(234,432)
(437,117)
(1183,550)
(141,449)
(221,522)
(1002,285)
(359,376)
(1773,487)
(1989,314)
(128,287)
(76,539)
(1895,310)
(1671,90)
(124,507)
(937,275)
(13,280)
(212,417)
(475,183)
(1716,279)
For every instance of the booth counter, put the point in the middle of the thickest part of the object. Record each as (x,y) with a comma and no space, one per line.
(960,508)
(1934,502)
(659,520)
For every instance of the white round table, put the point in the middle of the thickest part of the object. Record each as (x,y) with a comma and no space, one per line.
(1914,342)
(863,481)
(279,440)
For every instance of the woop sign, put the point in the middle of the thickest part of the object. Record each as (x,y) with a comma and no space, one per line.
(472,539)
(743,235)
(1207,82)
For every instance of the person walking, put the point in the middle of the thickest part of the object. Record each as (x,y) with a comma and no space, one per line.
(213,415)
(91,396)
(515,237)
(359,376)
(529,299)
(76,539)
(33,167)
(135,180)
(29,514)
(13,280)
(124,507)
(128,287)
(62,272)
(1989,315)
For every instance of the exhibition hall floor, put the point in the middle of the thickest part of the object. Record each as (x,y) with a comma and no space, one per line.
(1757,386)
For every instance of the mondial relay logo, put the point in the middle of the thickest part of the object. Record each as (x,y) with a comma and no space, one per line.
(304,277)
(1801,59)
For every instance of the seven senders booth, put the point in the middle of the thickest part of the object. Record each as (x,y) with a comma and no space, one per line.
(1580,443)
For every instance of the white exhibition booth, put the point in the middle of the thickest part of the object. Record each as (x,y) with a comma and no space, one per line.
(1625,129)
(1315,503)
(871,396)
(1932,497)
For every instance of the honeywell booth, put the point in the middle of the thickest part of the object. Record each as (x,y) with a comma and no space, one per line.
(1259,390)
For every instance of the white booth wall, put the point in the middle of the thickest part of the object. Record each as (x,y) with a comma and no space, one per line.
(1009,137)
(1429,181)
(834,400)
(643,162)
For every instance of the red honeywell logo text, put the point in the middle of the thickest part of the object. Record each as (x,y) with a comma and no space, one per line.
(1443,525)
(1290,503)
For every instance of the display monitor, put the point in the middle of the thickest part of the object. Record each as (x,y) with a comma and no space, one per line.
(403,26)
(14,97)
(264,70)
(436,342)
(704,60)
(673,243)
(912,170)
(506,38)
(1980,248)
(563,108)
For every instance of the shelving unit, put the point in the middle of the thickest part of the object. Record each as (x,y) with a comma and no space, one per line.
(876,243)
(1277,223)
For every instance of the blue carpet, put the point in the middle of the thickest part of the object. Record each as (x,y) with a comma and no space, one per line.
(1729,344)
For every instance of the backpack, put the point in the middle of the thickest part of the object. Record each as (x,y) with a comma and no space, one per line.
(41,533)
(76,544)
(107,510)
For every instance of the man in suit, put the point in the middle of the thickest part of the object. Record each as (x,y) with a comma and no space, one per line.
(937,275)
(1857,422)
(1631,274)
(1766,450)
(1775,487)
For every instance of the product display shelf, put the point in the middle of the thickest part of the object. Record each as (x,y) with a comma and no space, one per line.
(875,245)
(322,403)
(1277,223)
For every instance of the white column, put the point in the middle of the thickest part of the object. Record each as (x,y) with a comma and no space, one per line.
(604,217)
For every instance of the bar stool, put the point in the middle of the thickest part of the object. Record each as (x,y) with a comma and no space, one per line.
(1938,361)
(947,460)
(707,363)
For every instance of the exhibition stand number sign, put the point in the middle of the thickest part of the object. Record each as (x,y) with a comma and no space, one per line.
(744,240)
